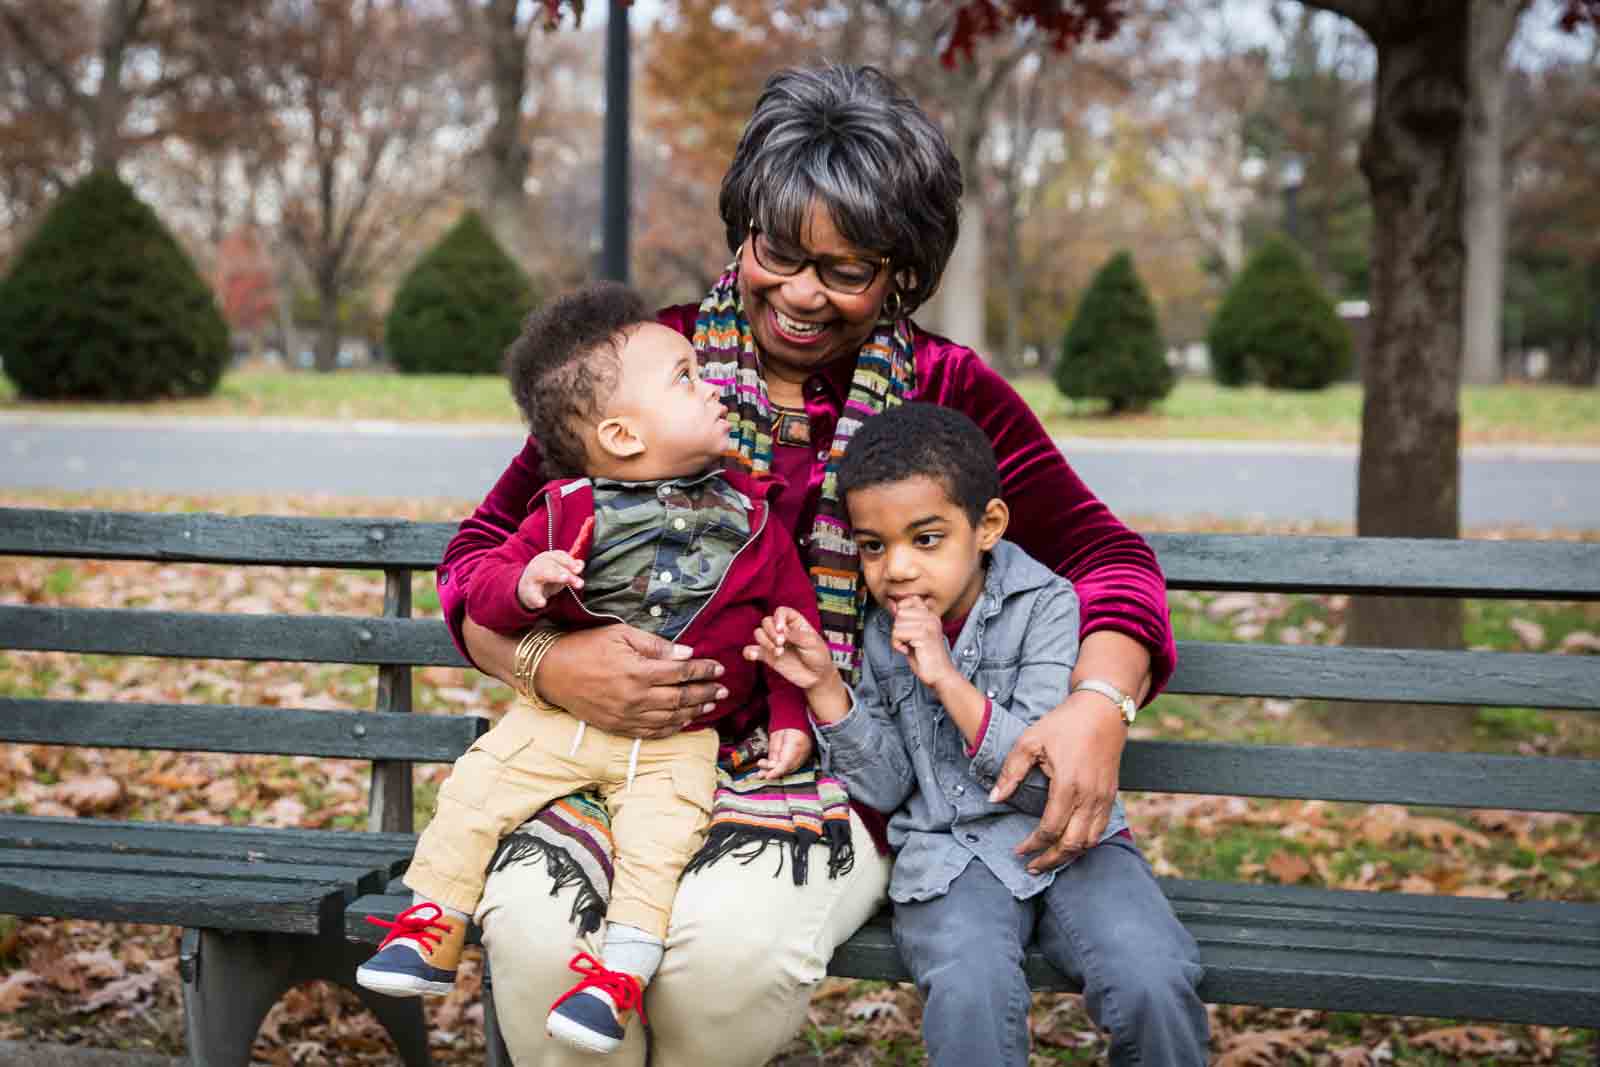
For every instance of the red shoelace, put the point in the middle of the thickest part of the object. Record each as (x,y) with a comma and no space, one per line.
(414,924)
(623,988)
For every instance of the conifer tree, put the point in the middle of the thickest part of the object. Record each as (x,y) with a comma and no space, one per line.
(1113,349)
(1277,326)
(460,305)
(104,304)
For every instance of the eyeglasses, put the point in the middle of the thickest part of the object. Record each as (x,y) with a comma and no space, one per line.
(849,275)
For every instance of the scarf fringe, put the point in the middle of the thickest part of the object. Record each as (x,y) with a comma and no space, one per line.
(588,907)
(747,845)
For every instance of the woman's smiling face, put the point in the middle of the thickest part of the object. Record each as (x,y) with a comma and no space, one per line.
(800,324)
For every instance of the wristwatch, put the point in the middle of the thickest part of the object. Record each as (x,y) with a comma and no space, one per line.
(1123,701)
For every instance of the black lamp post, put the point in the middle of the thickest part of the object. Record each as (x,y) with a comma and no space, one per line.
(614,209)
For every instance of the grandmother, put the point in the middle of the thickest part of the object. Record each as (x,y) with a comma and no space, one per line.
(841,208)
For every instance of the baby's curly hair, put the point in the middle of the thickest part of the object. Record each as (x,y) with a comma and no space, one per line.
(563,366)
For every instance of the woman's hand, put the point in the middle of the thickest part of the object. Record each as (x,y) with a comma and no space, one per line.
(627,681)
(1079,746)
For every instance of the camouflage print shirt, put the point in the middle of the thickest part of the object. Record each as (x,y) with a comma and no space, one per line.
(661,548)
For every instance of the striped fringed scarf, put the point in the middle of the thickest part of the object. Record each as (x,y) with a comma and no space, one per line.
(883,378)
(749,814)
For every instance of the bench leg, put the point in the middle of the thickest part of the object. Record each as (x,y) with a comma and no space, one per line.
(496,1053)
(231,981)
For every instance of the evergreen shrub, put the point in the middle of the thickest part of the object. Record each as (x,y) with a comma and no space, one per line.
(459,307)
(102,303)
(1113,349)
(1277,326)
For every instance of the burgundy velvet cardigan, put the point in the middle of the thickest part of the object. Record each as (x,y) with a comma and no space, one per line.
(1054,516)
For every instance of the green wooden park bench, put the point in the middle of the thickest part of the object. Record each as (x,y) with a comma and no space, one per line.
(262,909)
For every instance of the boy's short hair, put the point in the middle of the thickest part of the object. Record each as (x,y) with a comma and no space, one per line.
(563,366)
(923,440)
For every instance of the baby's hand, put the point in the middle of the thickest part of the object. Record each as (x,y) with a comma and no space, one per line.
(553,570)
(786,642)
(919,636)
(787,750)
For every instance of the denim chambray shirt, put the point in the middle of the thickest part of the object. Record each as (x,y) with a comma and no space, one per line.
(898,751)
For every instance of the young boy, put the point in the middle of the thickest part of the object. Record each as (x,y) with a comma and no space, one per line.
(971,641)
(655,533)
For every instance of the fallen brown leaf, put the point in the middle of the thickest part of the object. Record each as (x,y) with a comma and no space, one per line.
(1288,867)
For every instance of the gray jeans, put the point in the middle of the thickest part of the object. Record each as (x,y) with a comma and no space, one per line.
(1104,922)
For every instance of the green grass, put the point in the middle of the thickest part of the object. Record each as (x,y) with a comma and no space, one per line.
(1501,414)
(1195,409)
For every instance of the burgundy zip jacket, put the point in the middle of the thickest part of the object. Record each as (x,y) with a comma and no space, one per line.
(765,574)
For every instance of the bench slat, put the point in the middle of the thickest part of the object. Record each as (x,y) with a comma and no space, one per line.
(389,852)
(1516,679)
(303,908)
(383,906)
(1457,972)
(1419,676)
(197,635)
(81,869)
(368,544)
(1451,779)
(233,728)
(1574,919)
(1391,566)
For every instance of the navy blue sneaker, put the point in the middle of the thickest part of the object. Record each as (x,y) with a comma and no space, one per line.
(593,1015)
(419,956)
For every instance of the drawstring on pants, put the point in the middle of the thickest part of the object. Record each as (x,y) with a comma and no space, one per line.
(633,753)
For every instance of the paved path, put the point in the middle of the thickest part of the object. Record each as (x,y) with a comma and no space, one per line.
(1513,485)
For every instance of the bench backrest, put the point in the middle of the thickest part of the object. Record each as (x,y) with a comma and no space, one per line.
(394,642)
(1534,570)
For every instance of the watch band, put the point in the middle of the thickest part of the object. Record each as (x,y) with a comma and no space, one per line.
(1123,701)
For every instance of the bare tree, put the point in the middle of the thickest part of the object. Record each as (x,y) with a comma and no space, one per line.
(372,132)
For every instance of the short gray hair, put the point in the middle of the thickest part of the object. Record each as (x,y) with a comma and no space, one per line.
(848,138)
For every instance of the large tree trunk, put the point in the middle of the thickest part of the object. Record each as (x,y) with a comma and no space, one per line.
(109,105)
(505,152)
(1493,22)
(327,350)
(1409,472)
(958,306)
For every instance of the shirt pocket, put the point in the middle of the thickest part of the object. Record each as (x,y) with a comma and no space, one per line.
(997,680)
(900,704)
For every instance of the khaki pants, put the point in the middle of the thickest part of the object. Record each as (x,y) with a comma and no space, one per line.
(745,950)
(658,821)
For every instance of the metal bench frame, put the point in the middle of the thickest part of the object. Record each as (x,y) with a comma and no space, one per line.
(266,908)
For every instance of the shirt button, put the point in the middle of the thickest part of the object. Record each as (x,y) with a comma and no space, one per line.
(973,838)
(989,693)
(666,576)
(678,524)
(663,491)
(959,790)
(822,455)
(966,653)
(655,611)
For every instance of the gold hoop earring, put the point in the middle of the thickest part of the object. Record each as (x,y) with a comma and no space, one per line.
(894,304)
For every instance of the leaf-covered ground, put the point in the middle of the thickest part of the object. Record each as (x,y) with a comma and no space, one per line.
(115,985)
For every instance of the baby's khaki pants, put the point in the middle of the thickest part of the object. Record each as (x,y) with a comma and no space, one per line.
(658,821)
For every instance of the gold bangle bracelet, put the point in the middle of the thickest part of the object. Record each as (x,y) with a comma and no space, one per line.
(531,650)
